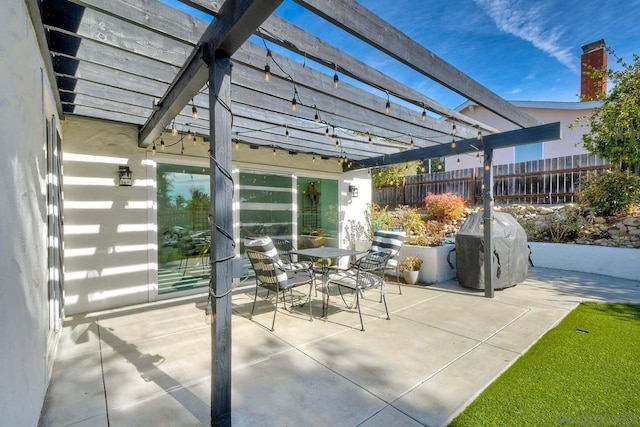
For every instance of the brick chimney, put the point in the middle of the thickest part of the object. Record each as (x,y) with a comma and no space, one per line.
(594,56)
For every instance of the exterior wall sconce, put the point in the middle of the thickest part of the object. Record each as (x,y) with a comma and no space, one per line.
(124,175)
(353,190)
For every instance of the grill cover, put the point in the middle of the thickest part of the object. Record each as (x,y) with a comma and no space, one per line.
(511,252)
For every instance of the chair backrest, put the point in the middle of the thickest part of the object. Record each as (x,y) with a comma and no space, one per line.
(265,269)
(392,240)
(266,246)
(285,249)
(371,268)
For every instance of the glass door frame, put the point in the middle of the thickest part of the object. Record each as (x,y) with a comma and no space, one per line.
(159,158)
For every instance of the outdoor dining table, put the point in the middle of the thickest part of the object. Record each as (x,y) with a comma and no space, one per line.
(321,254)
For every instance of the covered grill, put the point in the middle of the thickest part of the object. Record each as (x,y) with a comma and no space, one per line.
(511,252)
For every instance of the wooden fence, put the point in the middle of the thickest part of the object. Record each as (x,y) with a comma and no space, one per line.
(542,181)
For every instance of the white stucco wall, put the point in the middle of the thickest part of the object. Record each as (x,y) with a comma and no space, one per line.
(546,112)
(111,232)
(25,104)
(106,226)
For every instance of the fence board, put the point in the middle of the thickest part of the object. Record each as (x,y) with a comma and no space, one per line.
(540,181)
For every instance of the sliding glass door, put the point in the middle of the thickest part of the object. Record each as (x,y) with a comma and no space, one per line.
(266,206)
(184,236)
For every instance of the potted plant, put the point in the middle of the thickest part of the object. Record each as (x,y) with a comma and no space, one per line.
(410,267)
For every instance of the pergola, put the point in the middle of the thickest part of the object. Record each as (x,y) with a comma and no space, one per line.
(145,63)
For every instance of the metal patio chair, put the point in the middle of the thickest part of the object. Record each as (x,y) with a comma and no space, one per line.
(366,273)
(271,275)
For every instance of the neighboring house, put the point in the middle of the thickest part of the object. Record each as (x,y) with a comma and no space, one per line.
(594,55)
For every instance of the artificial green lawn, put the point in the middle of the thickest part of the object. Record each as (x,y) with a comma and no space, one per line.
(585,371)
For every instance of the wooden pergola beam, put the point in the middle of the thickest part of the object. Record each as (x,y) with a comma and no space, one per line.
(236,21)
(514,138)
(368,27)
(292,37)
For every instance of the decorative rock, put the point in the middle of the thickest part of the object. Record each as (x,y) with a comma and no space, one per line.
(632,221)
(545,211)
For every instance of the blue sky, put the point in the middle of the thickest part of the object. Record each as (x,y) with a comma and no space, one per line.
(523,50)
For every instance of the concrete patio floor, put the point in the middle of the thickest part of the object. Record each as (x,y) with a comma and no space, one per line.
(444,344)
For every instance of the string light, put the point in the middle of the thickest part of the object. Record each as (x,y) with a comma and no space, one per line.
(453,143)
(335,76)
(267,68)
(326,132)
(478,157)
(286,132)
(274,151)
(174,131)
(411,143)
(479,135)
(161,144)
(194,110)
(294,101)
(458,161)
(454,130)
(153,149)
(387,106)
(424,114)
(194,137)
(369,135)
(314,158)
(188,134)
(316,117)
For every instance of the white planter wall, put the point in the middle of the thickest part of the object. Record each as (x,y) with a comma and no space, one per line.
(615,262)
(434,268)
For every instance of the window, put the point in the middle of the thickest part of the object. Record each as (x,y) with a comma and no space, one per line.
(529,152)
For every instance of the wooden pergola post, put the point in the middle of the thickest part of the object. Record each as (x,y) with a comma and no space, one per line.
(487,221)
(221,245)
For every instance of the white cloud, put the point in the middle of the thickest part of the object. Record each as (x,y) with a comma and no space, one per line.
(528,21)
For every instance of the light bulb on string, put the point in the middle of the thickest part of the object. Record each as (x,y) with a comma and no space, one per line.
(326,132)
(267,68)
(286,132)
(314,158)
(369,135)
(387,106)
(161,144)
(458,161)
(153,149)
(454,130)
(479,135)
(424,114)
(274,151)
(453,143)
(316,117)
(194,137)
(294,101)
(411,142)
(335,76)
(478,157)
(174,131)
(194,110)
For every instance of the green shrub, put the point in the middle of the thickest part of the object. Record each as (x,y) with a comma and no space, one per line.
(431,234)
(412,221)
(380,218)
(563,226)
(447,207)
(611,193)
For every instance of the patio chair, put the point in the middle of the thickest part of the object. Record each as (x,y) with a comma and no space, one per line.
(393,241)
(286,252)
(365,273)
